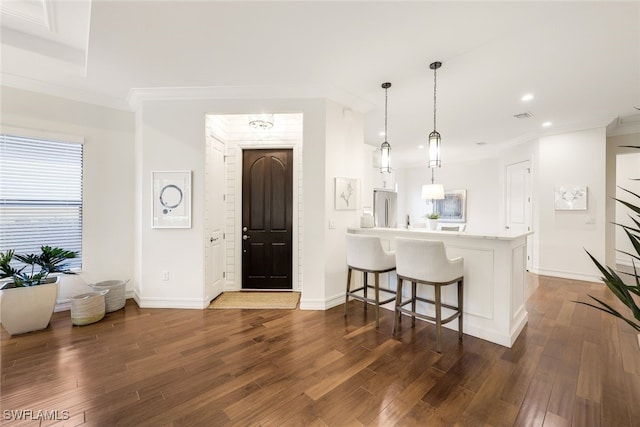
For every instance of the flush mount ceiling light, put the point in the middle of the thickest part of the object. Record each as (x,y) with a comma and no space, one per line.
(385,148)
(261,121)
(527,97)
(434,137)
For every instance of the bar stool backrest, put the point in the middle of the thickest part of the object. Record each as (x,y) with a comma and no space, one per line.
(367,253)
(426,260)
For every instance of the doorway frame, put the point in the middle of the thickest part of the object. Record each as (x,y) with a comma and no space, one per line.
(296,256)
(530,242)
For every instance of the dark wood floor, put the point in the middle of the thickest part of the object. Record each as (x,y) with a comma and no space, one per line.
(571,365)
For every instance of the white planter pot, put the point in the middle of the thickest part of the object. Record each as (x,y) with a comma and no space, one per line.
(28,309)
(433,224)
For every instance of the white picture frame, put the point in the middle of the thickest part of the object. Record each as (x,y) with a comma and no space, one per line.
(171,199)
(570,198)
(347,193)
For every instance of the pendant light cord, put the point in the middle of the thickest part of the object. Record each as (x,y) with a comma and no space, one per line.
(386,138)
(435,70)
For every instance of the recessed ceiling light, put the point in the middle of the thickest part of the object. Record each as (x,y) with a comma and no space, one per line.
(421,146)
(527,97)
(546,124)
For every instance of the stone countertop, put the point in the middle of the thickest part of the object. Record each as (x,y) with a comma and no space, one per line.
(425,232)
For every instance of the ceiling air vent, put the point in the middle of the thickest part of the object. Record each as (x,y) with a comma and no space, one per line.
(526,115)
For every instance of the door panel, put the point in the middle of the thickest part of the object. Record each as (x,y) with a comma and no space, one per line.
(518,202)
(267,206)
(215,216)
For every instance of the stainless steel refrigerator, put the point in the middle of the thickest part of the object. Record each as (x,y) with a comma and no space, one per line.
(385,208)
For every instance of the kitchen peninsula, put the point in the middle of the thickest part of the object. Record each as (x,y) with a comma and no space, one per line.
(494,278)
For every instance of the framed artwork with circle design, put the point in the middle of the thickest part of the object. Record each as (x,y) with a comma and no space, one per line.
(171,205)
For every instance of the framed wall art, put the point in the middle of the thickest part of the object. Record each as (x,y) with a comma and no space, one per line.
(347,193)
(453,208)
(171,206)
(570,198)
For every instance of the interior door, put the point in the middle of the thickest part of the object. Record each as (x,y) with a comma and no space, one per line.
(215,215)
(518,201)
(267,206)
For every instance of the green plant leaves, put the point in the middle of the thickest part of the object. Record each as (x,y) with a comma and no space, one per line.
(625,293)
(50,260)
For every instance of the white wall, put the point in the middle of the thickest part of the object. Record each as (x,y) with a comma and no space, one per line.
(480,178)
(569,159)
(344,158)
(627,168)
(171,136)
(560,237)
(108,208)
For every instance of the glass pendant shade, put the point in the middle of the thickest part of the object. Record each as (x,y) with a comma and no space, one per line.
(433,192)
(385,157)
(385,148)
(434,150)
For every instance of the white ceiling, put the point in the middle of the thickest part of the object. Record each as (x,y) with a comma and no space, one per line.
(581,60)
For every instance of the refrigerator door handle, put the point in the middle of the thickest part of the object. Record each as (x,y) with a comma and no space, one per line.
(386,212)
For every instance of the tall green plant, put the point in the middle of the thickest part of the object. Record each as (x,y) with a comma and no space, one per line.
(627,294)
(50,260)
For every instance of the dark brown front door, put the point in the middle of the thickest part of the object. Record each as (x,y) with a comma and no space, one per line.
(267,178)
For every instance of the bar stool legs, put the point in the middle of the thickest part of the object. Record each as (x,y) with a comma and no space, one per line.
(376,288)
(366,254)
(346,295)
(436,302)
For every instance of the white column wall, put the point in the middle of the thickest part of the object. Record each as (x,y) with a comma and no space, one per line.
(623,164)
(569,159)
(344,158)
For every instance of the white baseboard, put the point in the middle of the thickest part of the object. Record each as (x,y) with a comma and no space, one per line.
(188,303)
(321,304)
(567,275)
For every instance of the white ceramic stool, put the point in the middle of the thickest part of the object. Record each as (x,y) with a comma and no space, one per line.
(365,253)
(426,262)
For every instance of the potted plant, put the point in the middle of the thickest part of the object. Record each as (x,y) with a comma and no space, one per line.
(433,220)
(627,294)
(27,302)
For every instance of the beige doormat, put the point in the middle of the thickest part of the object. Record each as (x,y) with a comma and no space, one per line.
(256,300)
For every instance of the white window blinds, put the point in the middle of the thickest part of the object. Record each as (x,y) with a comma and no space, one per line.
(40,195)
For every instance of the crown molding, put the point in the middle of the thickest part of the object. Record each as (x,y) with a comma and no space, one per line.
(137,96)
(624,125)
(65,92)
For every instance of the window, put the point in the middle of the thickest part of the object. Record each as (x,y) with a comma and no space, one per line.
(40,195)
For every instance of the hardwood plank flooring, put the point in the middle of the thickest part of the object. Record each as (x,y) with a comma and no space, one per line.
(571,366)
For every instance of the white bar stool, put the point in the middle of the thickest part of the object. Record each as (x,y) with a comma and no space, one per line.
(365,253)
(426,262)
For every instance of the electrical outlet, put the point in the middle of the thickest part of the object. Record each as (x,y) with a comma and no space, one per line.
(165,275)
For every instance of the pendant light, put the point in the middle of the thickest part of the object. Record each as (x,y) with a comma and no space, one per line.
(434,137)
(385,148)
(434,191)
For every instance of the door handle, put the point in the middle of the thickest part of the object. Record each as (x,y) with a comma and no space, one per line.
(213,239)
(245,237)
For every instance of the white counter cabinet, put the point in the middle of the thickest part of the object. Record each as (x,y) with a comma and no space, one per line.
(494,279)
